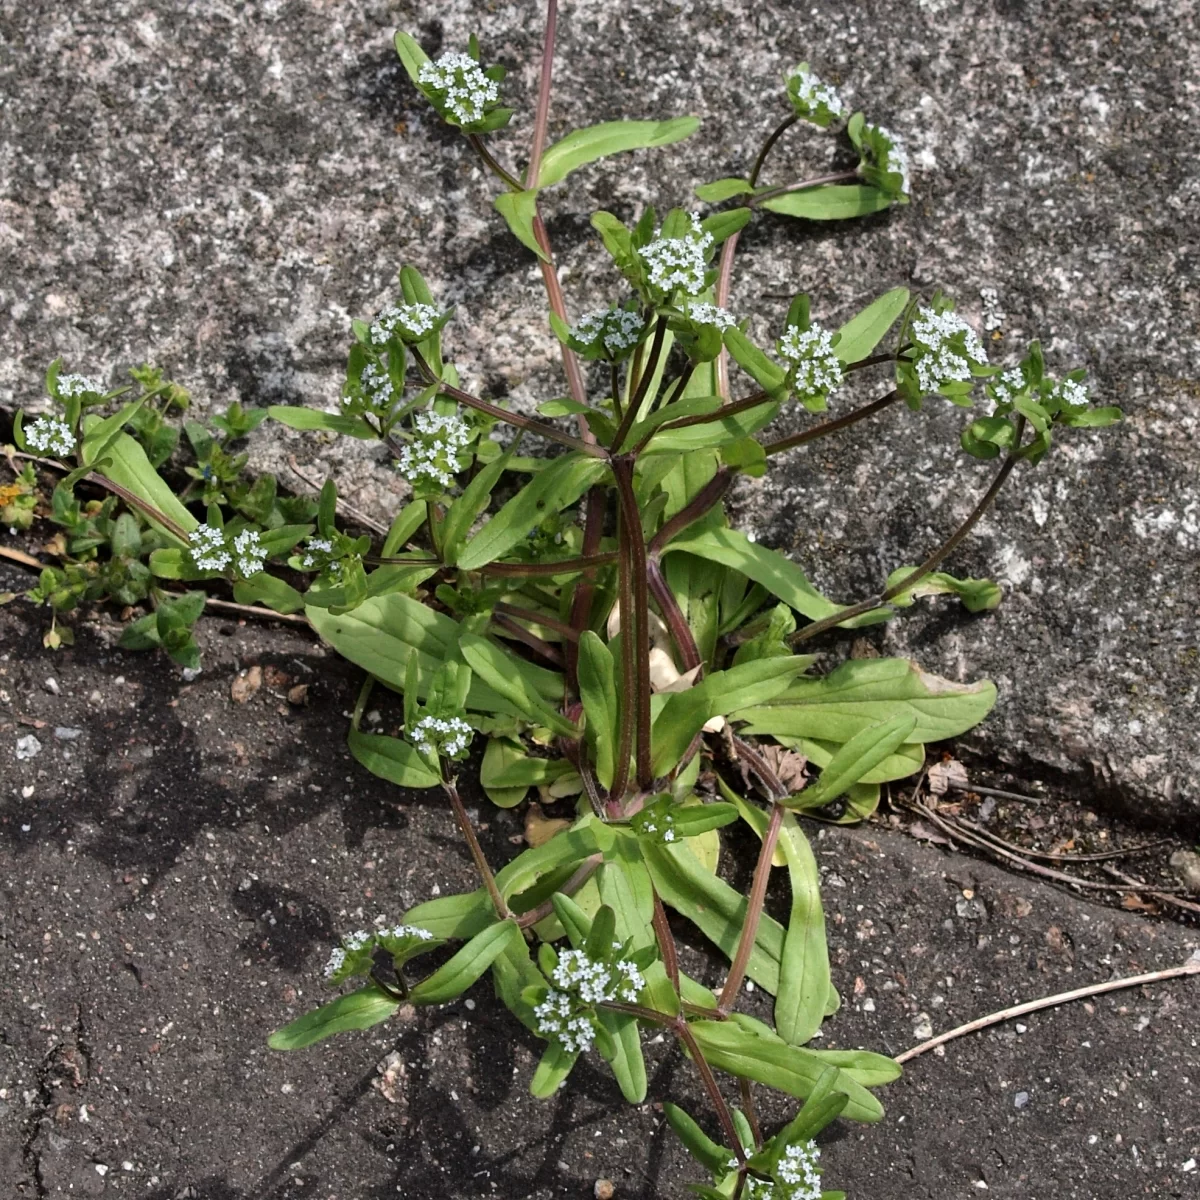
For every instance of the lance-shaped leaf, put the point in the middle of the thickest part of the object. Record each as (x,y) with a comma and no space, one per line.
(553,1067)
(358,1010)
(698,1144)
(804,981)
(497,668)
(474,499)
(863,692)
(612,137)
(862,333)
(570,847)
(715,908)
(861,754)
(314,418)
(518,210)
(392,759)
(723,189)
(267,589)
(460,916)
(454,977)
(596,670)
(623,1050)
(977,595)
(906,760)
(729,1046)
(832,202)
(551,490)
(128,467)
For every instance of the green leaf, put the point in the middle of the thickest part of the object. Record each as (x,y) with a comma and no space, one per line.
(679,720)
(863,1066)
(861,754)
(698,1144)
(358,1010)
(804,965)
(863,692)
(500,671)
(612,137)
(570,847)
(392,759)
(141,634)
(474,499)
(907,759)
(411,55)
(314,418)
(626,890)
(734,428)
(520,769)
(977,595)
(831,202)
(381,633)
(729,1046)
(454,977)
(266,589)
(779,575)
(551,490)
(408,520)
(722,225)
(100,434)
(129,467)
(518,209)
(628,1065)
(459,916)
(596,670)
(715,908)
(722,189)
(862,333)
(769,376)
(553,1067)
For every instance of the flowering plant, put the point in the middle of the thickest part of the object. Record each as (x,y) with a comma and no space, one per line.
(613,641)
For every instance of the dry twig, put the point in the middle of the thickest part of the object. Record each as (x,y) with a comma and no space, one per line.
(1191,967)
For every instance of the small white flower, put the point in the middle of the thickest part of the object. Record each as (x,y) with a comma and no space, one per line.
(465,88)
(208,549)
(49,435)
(618,328)
(415,320)
(377,387)
(1008,386)
(449,738)
(78,385)
(414,931)
(679,263)
(337,960)
(435,448)
(710,314)
(316,555)
(895,159)
(946,349)
(812,97)
(797,1170)
(816,368)
(250,552)
(1069,391)
(357,940)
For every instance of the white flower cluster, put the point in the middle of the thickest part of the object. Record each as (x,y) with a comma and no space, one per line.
(309,560)
(434,450)
(558,1020)
(250,553)
(946,348)
(1069,391)
(433,735)
(596,982)
(400,931)
(465,88)
(679,262)
(49,435)
(618,328)
(377,388)
(816,369)
(666,829)
(337,960)
(813,94)
(212,551)
(563,1016)
(798,1170)
(710,314)
(1008,386)
(896,159)
(415,320)
(78,385)
(208,549)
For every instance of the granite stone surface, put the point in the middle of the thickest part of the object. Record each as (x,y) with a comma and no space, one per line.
(219,187)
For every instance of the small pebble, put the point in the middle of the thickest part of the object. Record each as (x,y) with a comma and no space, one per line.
(28,747)
(1020,1100)
(101,1170)
(603,1189)
(65,733)
(52,687)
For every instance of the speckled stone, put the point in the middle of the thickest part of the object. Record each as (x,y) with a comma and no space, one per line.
(220,187)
